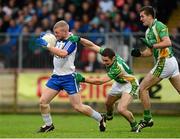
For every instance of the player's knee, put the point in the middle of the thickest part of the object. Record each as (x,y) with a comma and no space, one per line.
(44,105)
(77,108)
(121,109)
(142,89)
(42,101)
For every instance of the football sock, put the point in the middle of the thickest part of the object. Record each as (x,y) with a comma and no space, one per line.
(96,115)
(109,113)
(147,115)
(133,124)
(47,119)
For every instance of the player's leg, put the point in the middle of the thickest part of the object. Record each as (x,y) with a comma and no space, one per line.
(110,102)
(75,100)
(45,99)
(123,104)
(148,81)
(71,86)
(160,71)
(175,81)
(175,77)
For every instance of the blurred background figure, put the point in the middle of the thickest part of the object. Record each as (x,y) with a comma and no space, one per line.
(92,65)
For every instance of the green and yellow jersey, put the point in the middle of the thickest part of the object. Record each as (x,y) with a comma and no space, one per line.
(120,71)
(154,34)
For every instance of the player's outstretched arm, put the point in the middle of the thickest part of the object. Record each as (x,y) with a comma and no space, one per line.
(98,81)
(90,45)
(86,43)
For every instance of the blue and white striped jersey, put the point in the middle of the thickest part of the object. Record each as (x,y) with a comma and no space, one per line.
(65,66)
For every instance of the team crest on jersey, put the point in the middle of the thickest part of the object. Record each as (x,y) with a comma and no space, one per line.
(60,45)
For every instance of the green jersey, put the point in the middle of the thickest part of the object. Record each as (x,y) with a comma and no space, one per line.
(120,71)
(154,34)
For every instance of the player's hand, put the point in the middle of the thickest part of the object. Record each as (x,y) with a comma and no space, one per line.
(136,53)
(79,77)
(41,42)
(145,42)
(42,34)
(74,38)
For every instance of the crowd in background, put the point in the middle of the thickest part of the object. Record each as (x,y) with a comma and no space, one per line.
(83,16)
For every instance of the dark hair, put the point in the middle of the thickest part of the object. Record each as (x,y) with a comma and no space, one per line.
(148,10)
(108,53)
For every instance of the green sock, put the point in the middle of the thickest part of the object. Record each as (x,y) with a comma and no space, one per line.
(133,124)
(147,115)
(109,113)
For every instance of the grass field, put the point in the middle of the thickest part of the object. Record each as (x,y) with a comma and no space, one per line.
(79,126)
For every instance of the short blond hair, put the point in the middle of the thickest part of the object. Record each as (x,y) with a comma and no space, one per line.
(61,23)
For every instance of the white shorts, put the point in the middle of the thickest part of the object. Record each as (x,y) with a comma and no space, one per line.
(166,68)
(131,87)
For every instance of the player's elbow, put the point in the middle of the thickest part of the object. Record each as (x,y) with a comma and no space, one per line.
(169,43)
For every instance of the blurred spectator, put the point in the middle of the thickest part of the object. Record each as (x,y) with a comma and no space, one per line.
(73,10)
(83,16)
(36,57)
(92,65)
(77,27)
(60,14)
(87,8)
(53,19)
(8,48)
(175,36)
(46,24)
(133,22)
(85,23)
(125,13)
(60,4)
(119,3)
(69,19)
(106,5)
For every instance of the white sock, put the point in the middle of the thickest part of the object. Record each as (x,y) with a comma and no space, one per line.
(96,115)
(47,119)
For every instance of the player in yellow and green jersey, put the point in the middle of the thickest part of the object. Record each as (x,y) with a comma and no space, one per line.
(125,86)
(159,45)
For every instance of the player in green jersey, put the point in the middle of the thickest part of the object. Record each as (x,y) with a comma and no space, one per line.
(123,89)
(159,45)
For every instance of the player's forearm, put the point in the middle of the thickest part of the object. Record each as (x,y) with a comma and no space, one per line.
(90,45)
(94,81)
(58,52)
(97,81)
(163,44)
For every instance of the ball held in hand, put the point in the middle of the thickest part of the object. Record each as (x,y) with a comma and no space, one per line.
(50,38)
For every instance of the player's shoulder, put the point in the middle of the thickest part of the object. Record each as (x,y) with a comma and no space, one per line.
(160,24)
(69,43)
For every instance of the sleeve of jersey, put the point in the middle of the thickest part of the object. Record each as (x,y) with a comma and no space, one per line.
(162,30)
(70,47)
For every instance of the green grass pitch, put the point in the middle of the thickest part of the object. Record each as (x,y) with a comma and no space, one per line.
(79,126)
